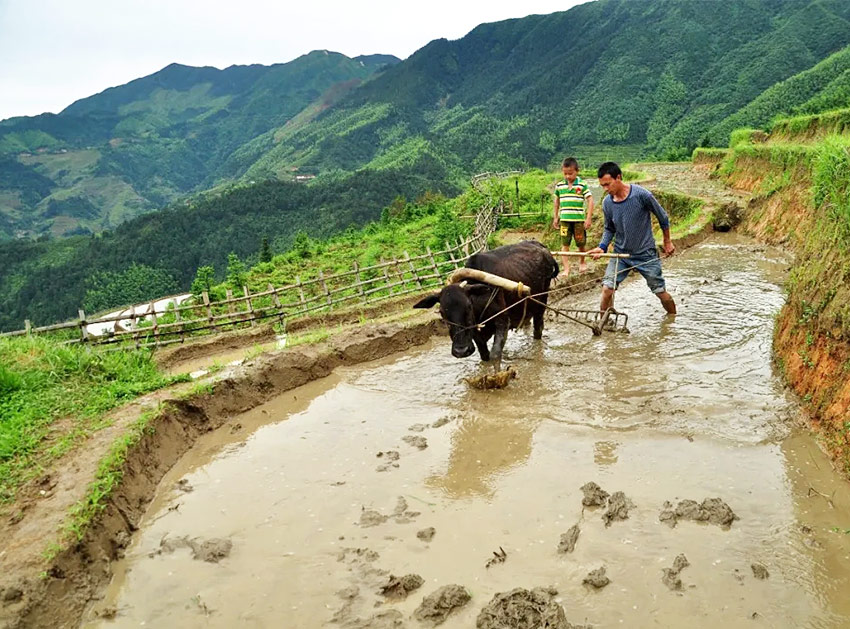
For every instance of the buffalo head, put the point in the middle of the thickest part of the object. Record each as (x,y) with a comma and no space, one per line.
(461,306)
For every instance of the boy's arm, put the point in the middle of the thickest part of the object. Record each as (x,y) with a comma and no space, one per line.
(588,199)
(556,220)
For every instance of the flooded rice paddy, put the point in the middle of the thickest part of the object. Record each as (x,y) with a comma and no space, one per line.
(297,513)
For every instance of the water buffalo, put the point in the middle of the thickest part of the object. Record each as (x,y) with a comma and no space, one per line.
(464,305)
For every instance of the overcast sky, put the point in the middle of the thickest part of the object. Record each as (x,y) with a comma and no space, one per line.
(53,52)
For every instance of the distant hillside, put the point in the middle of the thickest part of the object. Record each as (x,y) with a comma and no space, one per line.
(134,148)
(824,87)
(652,73)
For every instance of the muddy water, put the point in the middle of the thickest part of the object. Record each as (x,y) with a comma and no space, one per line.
(683,409)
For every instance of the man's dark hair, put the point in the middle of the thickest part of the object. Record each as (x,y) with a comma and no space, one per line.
(570,161)
(609,168)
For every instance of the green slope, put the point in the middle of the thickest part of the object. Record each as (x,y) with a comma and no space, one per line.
(145,143)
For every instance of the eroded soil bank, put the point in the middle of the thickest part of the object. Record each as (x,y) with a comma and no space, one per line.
(329,491)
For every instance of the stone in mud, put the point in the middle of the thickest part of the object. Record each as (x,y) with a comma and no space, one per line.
(437,606)
(726,217)
(670,576)
(618,508)
(759,571)
(569,539)
(400,587)
(417,427)
(389,619)
(415,441)
(370,517)
(594,495)
(426,535)
(211,550)
(596,578)
(712,510)
(523,609)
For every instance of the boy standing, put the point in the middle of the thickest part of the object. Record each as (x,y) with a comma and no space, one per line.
(571,195)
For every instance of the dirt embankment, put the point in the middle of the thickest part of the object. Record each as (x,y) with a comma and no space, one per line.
(811,339)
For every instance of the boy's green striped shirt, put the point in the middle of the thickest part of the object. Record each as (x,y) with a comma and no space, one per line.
(571,198)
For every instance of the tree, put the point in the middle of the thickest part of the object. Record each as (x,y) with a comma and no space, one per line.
(204,280)
(265,250)
(237,276)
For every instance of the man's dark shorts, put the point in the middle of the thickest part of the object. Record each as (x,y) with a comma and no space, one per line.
(647,263)
(573,229)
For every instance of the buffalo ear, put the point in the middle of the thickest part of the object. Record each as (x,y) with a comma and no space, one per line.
(427,302)
(479,289)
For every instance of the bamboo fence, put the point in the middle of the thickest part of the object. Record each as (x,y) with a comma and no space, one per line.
(362,284)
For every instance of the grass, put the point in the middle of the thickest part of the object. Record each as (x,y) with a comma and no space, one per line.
(53,396)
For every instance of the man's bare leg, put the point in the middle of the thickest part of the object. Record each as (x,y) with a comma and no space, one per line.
(607,299)
(668,303)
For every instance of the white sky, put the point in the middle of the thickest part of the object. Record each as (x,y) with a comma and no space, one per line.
(53,52)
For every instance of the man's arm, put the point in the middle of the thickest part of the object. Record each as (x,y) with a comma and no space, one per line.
(663,223)
(607,235)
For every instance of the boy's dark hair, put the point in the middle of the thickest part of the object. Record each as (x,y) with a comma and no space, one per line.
(609,168)
(570,161)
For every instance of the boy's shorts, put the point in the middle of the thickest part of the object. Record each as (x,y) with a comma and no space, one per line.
(573,229)
(647,263)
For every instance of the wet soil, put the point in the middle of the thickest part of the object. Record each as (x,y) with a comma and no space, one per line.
(524,609)
(684,407)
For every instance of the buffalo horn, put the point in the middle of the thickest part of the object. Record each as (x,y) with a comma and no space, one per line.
(488,278)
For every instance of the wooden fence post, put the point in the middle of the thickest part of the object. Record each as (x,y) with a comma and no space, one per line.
(155,324)
(434,263)
(413,270)
(228,295)
(179,319)
(387,279)
(135,327)
(325,288)
(357,278)
(277,304)
(84,333)
(28,326)
(300,291)
(249,308)
(449,250)
(398,272)
(206,297)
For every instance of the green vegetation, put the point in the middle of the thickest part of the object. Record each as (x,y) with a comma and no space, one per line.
(52,396)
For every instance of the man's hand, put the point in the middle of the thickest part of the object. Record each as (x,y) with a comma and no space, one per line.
(595,253)
(669,248)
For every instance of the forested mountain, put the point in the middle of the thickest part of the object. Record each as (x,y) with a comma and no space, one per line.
(607,78)
(134,148)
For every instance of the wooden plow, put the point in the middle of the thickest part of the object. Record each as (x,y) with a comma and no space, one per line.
(598,321)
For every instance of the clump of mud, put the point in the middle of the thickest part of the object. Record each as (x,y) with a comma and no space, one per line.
(569,539)
(211,550)
(524,609)
(759,571)
(618,508)
(437,606)
(596,578)
(389,619)
(426,535)
(670,576)
(184,486)
(400,587)
(440,422)
(594,495)
(401,514)
(498,380)
(415,441)
(712,510)
(389,458)
(417,427)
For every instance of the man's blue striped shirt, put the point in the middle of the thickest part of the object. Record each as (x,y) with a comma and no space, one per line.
(629,222)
